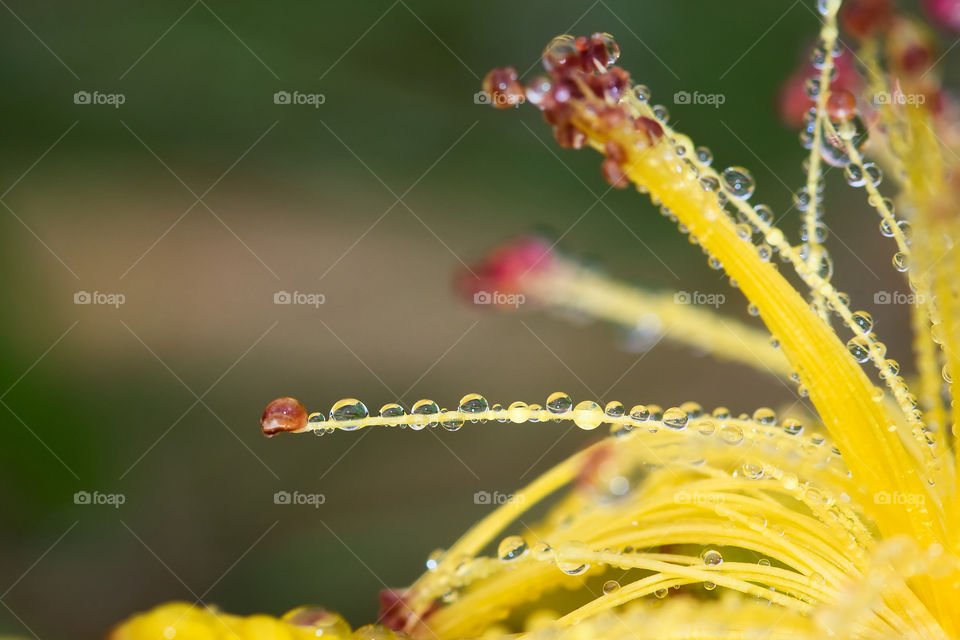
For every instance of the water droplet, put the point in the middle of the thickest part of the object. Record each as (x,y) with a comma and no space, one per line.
(711,557)
(433,560)
(473,403)
(517,412)
(704,155)
(610,47)
(542,551)
(316,418)
(614,409)
(675,418)
(512,548)
(873,173)
(738,181)
(661,593)
(559,403)
(587,415)
(424,408)
(348,409)
(859,349)
(792,427)
(709,586)
(639,413)
(391,410)
(568,557)
(642,93)
(661,113)
(611,586)
(765,416)
(863,320)
(900,261)
(500,413)
(753,470)
(854,175)
(763,562)
(561,51)
(453,423)
(731,434)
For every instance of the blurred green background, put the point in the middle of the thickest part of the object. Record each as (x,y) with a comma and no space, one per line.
(159,399)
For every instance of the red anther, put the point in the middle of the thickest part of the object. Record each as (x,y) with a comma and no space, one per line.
(649,126)
(503,88)
(864,18)
(283,414)
(614,151)
(946,13)
(841,106)
(916,59)
(614,174)
(588,474)
(569,137)
(504,268)
(612,117)
(395,612)
(610,85)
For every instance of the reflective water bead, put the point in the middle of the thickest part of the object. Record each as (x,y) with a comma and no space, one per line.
(731,434)
(453,423)
(639,413)
(704,155)
(512,548)
(610,48)
(473,403)
(693,409)
(711,557)
(752,470)
(863,320)
(642,93)
(587,415)
(721,413)
(764,212)
(316,418)
(873,173)
(559,403)
(900,261)
(854,175)
(661,593)
(568,560)
(391,410)
(433,560)
(801,199)
(614,409)
(661,113)
(560,52)
(517,412)
(739,182)
(765,416)
(611,586)
(348,409)
(500,413)
(675,418)
(542,551)
(792,426)
(859,349)
(424,408)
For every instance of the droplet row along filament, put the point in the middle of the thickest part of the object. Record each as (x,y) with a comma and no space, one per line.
(875,351)
(827,43)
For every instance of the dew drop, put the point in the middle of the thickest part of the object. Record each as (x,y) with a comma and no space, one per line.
(859,349)
(863,320)
(731,434)
(567,560)
(611,586)
(512,548)
(424,408)
(517,412)
(738,181)
(348,409)
(765,416)
(559,403)
(675,418)
(711,557)
(473,403)
(661,593)
(792,427)
(391,410)
(639,413)
(704,155)
(587,415)
(614,409)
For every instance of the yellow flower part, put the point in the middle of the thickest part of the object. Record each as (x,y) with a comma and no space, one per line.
(688,523)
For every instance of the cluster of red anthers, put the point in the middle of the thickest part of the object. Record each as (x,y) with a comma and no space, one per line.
(583,85)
